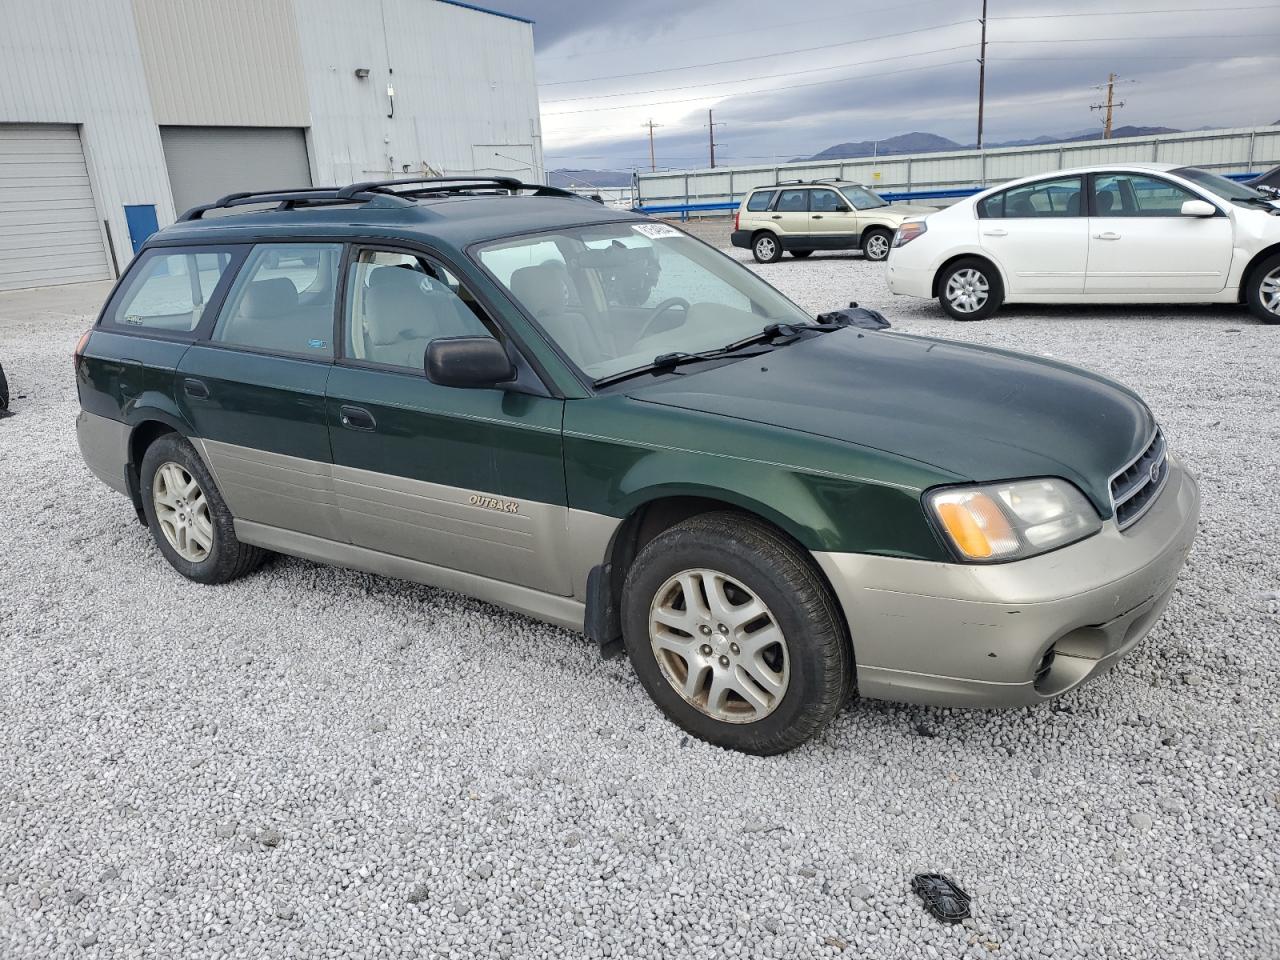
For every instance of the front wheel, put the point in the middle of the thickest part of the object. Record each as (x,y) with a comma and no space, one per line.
(1263,293)
(876,245)
(188,519)
(766,248)
(734,635)
(970,290)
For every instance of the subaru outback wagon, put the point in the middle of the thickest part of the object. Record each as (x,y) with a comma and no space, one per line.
(444,381)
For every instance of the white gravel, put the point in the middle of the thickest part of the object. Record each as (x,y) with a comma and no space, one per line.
(318,763)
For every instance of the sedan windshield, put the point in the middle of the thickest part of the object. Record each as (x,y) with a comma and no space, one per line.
(1226,189)
(862,198)
(616,296)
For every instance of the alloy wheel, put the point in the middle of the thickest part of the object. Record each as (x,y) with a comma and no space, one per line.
(765,248)
(182,511)
(1269,292)
(719,646)
(878,247)
(967,290)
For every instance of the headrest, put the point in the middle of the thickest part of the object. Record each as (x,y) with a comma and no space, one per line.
(1106,200)
(540,289)
(266,299)
(1073,204)
(396,301)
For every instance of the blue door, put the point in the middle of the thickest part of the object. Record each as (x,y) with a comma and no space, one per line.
(142,223)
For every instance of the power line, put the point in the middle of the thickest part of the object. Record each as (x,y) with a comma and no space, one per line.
(763,56)
(766,76)
(1129,13)
(1200,36)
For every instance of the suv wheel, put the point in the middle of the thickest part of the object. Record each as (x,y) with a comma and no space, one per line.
(188,519)
(734,635)
(766,248)
(970,290)
(876,244)
(1263,293)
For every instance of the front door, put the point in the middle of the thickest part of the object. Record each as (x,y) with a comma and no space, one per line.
(832,222)
(254,391)
(468,480)
(1038,234)
(1139,241)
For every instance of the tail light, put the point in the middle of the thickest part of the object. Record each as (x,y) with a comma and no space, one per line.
(80,345)
(909,230)
(737,219)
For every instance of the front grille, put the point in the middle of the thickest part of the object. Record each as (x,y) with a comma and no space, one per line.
(1136,487)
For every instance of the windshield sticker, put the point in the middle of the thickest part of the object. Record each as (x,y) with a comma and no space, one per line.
(655,231)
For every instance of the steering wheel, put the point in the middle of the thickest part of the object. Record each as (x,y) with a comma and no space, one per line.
(657,312)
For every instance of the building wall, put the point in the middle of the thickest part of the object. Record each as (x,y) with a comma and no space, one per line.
(231,63)
(465,90)
(75,62)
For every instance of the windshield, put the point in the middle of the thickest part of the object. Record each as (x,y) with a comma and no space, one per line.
(862,198)
(616,296)
(1226,189)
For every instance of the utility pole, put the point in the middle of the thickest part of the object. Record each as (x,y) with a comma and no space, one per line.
(653,166)
(711,137)
(1109,106)
(982,72)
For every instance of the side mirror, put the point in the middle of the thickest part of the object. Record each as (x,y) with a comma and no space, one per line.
(842,209)
(468,362)
(1198,208)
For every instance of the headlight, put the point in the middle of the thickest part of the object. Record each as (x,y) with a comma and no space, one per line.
(909,230)
(1009,521)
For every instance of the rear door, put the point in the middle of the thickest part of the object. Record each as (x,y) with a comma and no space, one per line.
(466,479)
(254,390)
(789,217)
(832,221)
(1140,243)
(1038,234)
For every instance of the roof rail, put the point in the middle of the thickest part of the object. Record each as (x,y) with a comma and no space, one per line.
(287,198)
(781,182)
(438,185)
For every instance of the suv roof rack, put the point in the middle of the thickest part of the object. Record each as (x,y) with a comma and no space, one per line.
(289,198)
(781,182)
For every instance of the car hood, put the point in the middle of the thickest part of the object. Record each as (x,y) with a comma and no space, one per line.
(974,412)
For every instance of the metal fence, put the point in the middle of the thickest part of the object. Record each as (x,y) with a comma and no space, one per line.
(1233,151)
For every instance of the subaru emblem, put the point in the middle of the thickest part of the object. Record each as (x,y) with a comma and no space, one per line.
(1155,472)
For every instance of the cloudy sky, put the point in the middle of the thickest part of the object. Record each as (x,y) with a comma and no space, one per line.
(789,79)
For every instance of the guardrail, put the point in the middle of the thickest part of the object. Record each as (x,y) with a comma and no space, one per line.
(684,209)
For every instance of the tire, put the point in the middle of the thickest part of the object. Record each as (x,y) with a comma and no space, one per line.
(977,280)
(766,247)
(811,669)
(1263,291)
(801,254)
(225,558)
(876,245)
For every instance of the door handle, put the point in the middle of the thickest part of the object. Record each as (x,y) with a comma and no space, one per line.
(777,216)
(1106,236)
(357,418)
(817,216)
(995,233)
(195,389)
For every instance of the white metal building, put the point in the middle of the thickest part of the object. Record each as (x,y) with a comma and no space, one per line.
(116,115)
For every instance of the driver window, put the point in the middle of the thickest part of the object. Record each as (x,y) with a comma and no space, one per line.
(826,201)
(399,302)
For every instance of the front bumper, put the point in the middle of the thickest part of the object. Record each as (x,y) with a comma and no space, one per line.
(975,636)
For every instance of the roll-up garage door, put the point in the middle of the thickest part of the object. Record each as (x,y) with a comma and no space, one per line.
(206,163)
(49,230)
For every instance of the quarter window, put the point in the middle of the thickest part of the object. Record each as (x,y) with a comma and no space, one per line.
(760,200)
(793,201)
(283,300)
(169,290)
(1133,195)
(1044,198)
(397,303)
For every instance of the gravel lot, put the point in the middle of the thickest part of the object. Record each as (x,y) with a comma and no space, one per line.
(318,763)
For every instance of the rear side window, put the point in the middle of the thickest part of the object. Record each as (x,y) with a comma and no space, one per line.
(793,201)
(168,290)
(1044,198)
(761,200)
(283,300)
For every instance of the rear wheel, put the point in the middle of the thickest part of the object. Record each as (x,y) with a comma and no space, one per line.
(734,635)
(800,254)
(970,289)
(876,244)
(188,519)
(1263,292)
(766,248)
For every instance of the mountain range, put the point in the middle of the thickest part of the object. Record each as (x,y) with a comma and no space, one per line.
(932,143)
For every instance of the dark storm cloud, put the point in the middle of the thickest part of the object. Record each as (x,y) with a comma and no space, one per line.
(869,69)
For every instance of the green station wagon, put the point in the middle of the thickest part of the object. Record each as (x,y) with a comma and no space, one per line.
(455,382)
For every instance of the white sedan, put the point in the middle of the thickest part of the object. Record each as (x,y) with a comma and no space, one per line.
(1120,233)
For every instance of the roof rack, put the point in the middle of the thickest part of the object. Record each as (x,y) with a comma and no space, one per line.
(289,198)
(782,182)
